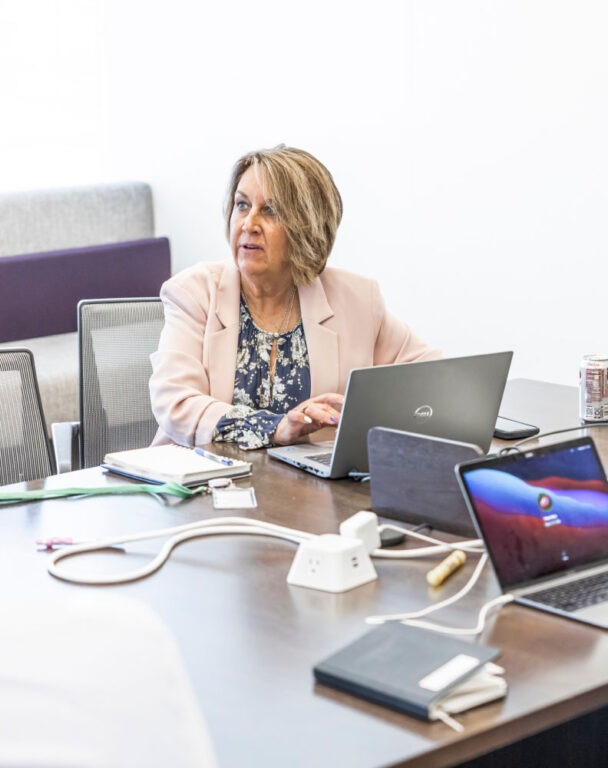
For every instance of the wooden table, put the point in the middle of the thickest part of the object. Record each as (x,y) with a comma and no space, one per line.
(250,641)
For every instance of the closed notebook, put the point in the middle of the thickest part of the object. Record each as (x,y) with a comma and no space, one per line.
(173,463)
(414,670)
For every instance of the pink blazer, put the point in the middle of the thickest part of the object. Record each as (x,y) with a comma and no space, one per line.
(345,323)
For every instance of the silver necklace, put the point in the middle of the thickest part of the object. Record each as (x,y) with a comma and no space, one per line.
(284,320)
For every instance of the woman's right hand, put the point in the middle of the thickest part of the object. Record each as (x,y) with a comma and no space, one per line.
(309,416)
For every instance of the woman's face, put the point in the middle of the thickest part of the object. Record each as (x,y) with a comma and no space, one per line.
(257,239)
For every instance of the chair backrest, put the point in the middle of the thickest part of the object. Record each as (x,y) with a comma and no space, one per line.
(116,339)
(24,446)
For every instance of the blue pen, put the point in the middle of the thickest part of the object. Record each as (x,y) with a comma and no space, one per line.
(214,457)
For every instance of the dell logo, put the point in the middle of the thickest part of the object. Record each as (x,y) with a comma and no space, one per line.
(423,412)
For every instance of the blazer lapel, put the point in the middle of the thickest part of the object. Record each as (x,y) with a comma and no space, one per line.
(223,335)
(321,341)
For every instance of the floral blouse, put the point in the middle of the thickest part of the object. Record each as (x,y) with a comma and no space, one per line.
(259,403)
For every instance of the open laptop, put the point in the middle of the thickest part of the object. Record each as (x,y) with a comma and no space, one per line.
(543,515)
(456,397)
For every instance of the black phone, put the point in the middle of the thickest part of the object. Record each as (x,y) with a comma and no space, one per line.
(509,429)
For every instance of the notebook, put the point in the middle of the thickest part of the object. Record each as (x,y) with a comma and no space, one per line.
(456,397)
(543,514)
(412,479)
(413,670)
(174,463)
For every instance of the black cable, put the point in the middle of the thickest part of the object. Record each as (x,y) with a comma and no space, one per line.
(517,445)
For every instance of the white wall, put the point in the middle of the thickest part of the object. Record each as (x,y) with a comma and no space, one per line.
(468,140)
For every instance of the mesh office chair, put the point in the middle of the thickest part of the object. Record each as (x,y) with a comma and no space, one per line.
(24,446)
(116,339)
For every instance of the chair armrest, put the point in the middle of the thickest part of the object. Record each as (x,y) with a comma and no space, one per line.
(66,437)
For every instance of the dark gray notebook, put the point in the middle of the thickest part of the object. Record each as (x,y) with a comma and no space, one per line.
(403,667)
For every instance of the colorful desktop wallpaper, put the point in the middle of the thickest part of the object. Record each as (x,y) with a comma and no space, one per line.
(543,513)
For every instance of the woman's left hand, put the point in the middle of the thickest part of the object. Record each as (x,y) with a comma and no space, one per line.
(311,415)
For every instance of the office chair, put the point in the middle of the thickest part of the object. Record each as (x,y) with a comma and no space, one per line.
(116,338)
(24,447)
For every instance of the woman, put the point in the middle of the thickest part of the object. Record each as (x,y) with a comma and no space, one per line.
(257,350)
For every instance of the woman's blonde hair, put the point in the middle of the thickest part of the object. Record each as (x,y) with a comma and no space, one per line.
(306,201)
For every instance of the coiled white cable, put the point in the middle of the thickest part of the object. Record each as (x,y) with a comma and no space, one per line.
(177,534)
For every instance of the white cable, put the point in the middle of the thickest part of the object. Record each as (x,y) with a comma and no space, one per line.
(481,620)
(475,546)
(179,534)
(218,526)
(436,606)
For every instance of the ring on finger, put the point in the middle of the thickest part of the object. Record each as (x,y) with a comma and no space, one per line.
(304,409)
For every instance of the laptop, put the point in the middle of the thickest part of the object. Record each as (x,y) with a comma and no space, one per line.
(543,514)
(456,397)
(412,479)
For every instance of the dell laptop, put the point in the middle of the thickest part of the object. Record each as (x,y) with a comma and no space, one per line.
(543,515)
(457,398)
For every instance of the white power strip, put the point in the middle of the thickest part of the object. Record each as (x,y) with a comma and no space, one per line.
(331,563)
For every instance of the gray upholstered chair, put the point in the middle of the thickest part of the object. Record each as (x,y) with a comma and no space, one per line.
(116,338)
(24,447)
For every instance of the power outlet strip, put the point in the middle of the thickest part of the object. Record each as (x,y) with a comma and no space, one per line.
(331,563)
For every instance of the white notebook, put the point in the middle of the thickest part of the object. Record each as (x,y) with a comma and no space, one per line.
(174,463)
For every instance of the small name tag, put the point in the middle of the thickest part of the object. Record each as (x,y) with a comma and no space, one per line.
(234,498)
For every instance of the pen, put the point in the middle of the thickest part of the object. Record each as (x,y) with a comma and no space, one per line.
(214,457)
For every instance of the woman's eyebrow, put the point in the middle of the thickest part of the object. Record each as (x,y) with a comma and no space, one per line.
(241,194)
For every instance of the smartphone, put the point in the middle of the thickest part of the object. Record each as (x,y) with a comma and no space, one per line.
(509,429)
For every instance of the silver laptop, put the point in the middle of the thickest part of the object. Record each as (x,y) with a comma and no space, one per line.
(456,398)
(543,515)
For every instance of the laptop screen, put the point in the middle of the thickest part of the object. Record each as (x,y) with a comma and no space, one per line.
(540,512)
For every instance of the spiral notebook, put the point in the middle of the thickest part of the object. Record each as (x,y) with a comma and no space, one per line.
(174,463)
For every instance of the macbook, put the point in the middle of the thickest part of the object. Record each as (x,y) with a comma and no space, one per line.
(457,398)
(543,515)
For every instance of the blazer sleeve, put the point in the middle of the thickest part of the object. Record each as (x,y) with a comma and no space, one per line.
(179,386)
(397,343)
(367,333)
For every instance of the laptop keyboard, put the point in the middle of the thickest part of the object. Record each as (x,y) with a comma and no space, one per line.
(322,458)
(576,594)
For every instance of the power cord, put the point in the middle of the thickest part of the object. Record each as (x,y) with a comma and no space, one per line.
(213,527)
(177,534)
(516,446)
(475,546)
(413,617)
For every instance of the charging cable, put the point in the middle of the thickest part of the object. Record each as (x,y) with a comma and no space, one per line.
(436,606)
(497,602)
(516,446)
(413,617)
(474,546)
(177,534)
